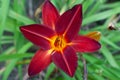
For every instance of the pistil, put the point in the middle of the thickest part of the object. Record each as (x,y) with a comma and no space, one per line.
(58,43)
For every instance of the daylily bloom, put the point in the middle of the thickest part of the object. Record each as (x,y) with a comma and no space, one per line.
(58,39)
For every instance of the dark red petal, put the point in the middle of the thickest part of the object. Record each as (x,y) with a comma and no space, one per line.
(67,60)
(39,62)
(38,34)
(49,14)
(85,44)
(69,23)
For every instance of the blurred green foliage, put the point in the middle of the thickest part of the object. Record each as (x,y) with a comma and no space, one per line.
(97,14)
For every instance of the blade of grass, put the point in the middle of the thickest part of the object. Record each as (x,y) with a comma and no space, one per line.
(74,2)
(9,25)
(98,67)
(105,40)
(78,74)
(17,35)
(110,5)
(3,13)
(6,41)
(86,5)
(7,37)
(4,57)
(9,50)
(94,60)
(108,55)
(20,18)
(49,71)
(94,8)
(114,71)
(94,75)
(20,72)
(101,16)
(12,64)
(107,73)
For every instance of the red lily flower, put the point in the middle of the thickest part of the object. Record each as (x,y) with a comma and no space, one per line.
(58,38)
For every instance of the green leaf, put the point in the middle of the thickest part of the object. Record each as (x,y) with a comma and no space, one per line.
(108,55)
(105,40)
(66,77)
(4,57)
(20,18)
(86,5)
(101,16)
(3,17)
(12,64)
(50,69)
(110,5)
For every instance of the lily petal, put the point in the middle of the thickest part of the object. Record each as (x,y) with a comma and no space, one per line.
(38,34)
(69,23)
(66,60)
(39,62)
(94,35)
(85,44)
(49,14)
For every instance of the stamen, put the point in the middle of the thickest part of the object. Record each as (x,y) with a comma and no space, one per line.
(58,43)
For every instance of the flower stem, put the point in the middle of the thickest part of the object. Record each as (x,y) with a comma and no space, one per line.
(85,74)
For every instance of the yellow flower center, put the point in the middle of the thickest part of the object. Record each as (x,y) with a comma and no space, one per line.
(58,43)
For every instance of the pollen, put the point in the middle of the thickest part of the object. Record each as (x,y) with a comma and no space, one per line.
(58,43)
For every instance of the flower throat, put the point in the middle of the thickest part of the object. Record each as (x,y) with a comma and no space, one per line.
(58,43)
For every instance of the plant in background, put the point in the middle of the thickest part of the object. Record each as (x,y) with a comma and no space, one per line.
(58,39)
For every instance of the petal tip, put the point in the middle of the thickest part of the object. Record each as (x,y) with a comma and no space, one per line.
(39,62)
(30,73)
(71,74)
(32,70)
(96,35)
(49,14)
(79,5)
(86,44)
